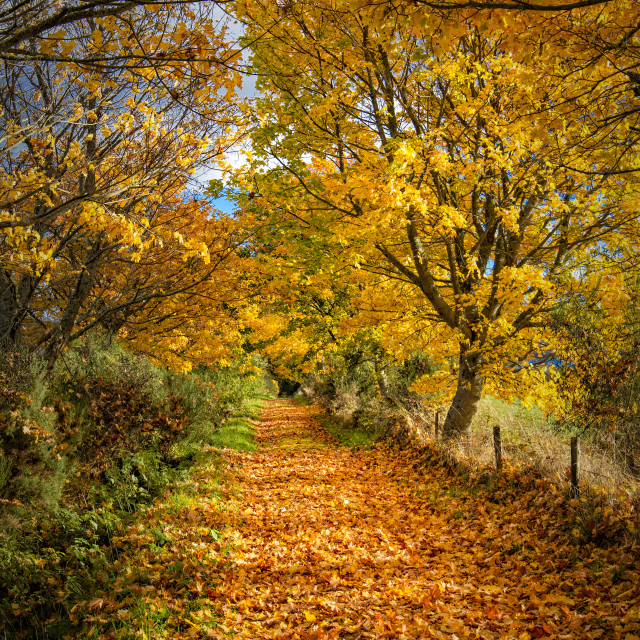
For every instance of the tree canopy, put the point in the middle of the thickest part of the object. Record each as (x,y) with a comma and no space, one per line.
(463,175)
(433,176)
(105,119)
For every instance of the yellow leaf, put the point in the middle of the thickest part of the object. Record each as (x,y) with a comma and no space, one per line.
(67,47)
(96,38)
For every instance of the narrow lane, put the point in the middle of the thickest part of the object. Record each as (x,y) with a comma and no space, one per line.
(304,539)
(331,543)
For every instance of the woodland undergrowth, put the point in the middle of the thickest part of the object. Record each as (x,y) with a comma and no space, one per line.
(83,451)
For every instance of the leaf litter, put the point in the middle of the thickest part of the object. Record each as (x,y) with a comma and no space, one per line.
(305,539)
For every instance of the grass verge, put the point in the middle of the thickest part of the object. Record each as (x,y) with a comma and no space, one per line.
(156,586)
(238,431)
(59,567)
(346,434)
(531,441)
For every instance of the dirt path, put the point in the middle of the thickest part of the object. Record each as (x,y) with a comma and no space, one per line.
(322,542)
(330,546)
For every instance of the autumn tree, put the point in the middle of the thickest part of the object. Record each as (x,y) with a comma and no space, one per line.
(94,179)
(434,165)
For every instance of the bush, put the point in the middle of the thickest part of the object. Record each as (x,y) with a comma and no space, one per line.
(32,468)
(47,563)
(363,388)
(137,426)
(601,379)
(79,451)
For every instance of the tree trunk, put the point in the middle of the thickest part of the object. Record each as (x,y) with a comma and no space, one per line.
(381,379)
(8,308)
(465,400)
(61,335)
(13,305)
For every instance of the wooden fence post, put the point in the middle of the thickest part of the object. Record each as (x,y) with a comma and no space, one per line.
(497,446)
(575,466)
(437,425)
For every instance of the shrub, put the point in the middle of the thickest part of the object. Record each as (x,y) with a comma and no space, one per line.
(363,387)
(32,467)
(126,428)
(601,379)
(48,562)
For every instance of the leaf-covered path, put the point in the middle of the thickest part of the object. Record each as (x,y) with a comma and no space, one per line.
(323,542)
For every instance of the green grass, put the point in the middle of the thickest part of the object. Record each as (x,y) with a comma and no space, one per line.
(238,432)
(513,417)
(348,436)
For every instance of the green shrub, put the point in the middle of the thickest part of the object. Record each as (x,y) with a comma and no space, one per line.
(80,450)
(135,480)
(104,358)
(48,562)
(33,466)
(600,379)
(366,390)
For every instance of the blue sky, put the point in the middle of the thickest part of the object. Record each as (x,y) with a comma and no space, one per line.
(223,204)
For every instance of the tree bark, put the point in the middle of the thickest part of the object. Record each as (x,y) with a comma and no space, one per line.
(8,308)
(13,304)
(62,332)
(465,401)
(381,379)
